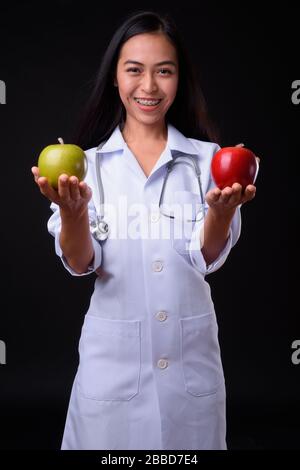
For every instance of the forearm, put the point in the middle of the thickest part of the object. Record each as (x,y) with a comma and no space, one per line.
(75,241)
(216,232)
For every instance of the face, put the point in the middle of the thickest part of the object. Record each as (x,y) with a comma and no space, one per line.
(147,77)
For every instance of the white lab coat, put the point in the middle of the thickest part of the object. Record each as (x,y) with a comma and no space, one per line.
(150,374)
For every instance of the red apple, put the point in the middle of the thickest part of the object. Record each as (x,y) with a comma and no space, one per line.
(234,165)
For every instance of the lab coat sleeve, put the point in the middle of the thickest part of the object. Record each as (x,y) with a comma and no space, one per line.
(54,228)
(195,245)
(195,252)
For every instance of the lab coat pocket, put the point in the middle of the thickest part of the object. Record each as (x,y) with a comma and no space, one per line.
(187,209)
(181,236)
(110,359)
(200,354)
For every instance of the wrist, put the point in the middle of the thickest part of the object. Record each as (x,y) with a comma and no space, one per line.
(224,215)
(69,216)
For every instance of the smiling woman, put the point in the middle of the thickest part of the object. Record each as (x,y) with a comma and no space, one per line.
(104,109)
(148,84)
(150,373)
(147,87)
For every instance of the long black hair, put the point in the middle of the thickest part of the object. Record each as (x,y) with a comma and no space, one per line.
(105,110)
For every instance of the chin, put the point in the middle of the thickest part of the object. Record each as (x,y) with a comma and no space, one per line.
(151,119)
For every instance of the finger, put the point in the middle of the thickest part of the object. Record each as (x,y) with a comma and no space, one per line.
(240,145)
(249,193)
(236,195)
(46,189)
(237,188)
(36,173)
(226,194)
(43,184)
(63,187)
(85,190)
(74,189)
(213,195)
(258,159)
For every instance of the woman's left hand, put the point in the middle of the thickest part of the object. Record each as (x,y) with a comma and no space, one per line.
(229,198)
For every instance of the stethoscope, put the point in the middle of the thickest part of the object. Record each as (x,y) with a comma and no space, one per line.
(100,228)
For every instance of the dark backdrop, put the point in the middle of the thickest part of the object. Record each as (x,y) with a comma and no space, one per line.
(50,51)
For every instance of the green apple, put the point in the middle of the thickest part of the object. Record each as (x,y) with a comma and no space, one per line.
(57,159)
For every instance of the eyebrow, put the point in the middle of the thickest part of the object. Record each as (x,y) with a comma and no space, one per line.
(164,62)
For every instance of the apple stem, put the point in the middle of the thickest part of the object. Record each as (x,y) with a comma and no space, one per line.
(60,140)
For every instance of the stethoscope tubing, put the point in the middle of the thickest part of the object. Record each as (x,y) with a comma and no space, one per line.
(100,228)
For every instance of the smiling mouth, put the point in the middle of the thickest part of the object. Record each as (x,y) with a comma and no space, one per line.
(147,101)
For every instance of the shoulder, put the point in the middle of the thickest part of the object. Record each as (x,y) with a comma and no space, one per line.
(182,143)
(204,152)
(204,148)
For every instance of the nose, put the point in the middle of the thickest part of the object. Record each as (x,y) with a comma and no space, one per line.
(149,84)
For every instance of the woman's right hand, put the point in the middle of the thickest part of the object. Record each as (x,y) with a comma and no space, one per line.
(71,196)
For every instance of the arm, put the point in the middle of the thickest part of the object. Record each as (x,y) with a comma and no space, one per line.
(222,206)
(72,197)
(75,240)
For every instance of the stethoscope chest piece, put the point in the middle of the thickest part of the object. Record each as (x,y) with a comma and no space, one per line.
(99,229)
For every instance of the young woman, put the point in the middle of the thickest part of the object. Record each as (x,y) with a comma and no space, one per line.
(150,373)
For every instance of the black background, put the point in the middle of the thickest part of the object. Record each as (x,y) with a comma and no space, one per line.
(247,60)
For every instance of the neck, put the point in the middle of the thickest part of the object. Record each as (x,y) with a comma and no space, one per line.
(139,132)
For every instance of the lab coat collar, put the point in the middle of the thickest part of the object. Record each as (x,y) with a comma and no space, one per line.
(176,142)
(115,142)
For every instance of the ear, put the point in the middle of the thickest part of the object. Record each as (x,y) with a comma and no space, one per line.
(115,82)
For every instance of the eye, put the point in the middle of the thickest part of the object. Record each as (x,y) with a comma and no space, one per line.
(165,72)
(133,70)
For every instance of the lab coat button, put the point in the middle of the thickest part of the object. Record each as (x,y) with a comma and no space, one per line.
(161,316)
(154,217)
(157,266)
(162,363)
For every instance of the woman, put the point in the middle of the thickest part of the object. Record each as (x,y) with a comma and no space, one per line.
(150,373)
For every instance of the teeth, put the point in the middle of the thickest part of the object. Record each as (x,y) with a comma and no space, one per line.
(147,102)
